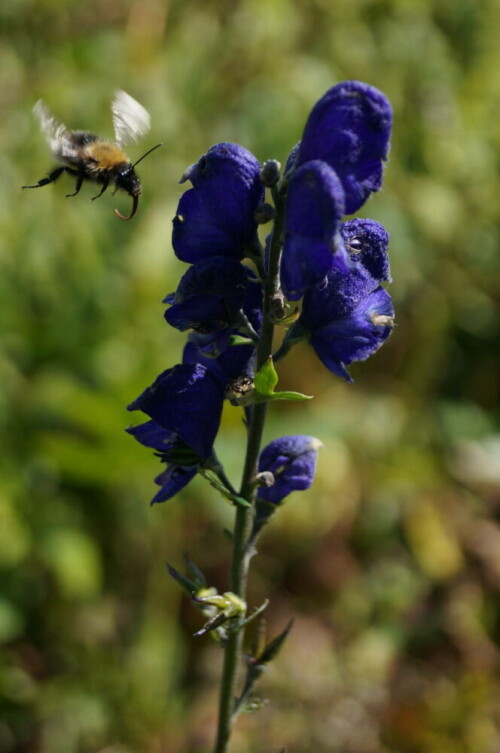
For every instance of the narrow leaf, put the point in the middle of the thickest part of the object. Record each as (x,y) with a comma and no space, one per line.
(194,571)
(188,585)
(290,395)
(274,646)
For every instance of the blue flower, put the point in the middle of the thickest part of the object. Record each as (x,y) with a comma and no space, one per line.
(209,297)
(185,405)
(233,362)
(346,319)
(216,216)
(313,244)
(367,242)
(178,472)
(332,171)
(349,128)
(292,462)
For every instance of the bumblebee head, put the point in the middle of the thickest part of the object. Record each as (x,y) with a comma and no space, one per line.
(127,179)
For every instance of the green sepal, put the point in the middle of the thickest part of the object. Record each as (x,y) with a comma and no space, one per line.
(266,380)
(240,340)
(229,535)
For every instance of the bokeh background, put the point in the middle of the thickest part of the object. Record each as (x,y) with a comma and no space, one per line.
(391,563)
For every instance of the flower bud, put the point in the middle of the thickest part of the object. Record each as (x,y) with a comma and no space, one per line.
(264,213)
(270,173)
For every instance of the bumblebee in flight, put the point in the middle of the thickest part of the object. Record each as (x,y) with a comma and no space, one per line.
(89,157)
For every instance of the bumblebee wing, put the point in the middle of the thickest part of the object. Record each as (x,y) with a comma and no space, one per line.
(56,133)
(130,119)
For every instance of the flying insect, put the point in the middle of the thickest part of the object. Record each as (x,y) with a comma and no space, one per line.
(89,157)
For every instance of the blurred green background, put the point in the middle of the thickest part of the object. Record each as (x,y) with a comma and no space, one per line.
(391,563)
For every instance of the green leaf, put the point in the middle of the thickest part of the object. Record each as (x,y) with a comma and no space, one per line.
(188,585)
(194,571)
(275,645)
(266,378)
(217,484)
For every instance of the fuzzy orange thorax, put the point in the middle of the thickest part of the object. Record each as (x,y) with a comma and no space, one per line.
(106,155)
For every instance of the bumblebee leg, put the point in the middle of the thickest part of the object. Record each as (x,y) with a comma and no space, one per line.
(79,181)
(50,179)
(105,185)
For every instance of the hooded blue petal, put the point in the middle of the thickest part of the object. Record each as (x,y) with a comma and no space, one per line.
(354,335)
(367,241)
(151,434)
(227,190)
(174,477)
(172,480)
(187,401)
(313,245)
(210,295)
(197,234)
(349,128)
(233,362)
(230,361)
(337,296)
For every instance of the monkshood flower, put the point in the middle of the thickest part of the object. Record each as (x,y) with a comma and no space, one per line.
(292,462)
(227,362)
(181,463)
(234,362)
(185,405)
(217,298)
(216,216)
(349,128)
(345,319)
(313,213)
(209,297)
(332,171)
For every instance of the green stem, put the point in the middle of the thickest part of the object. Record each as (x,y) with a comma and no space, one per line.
(244,515)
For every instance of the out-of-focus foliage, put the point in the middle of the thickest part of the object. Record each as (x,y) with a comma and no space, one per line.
(391,562)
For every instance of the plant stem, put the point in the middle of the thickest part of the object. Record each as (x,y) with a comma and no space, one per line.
(244,515)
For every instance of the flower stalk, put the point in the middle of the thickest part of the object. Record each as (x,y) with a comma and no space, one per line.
(244,516)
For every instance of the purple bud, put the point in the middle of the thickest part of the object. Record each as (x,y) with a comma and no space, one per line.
(292,461)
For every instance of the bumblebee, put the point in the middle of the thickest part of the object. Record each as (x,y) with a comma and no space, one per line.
(89,157)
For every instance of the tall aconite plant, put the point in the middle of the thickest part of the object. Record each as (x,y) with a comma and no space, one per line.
(230,299)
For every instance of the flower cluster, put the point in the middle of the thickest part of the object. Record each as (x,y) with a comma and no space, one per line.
(335,267)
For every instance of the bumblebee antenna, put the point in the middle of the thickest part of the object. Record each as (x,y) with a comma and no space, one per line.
(148,152)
